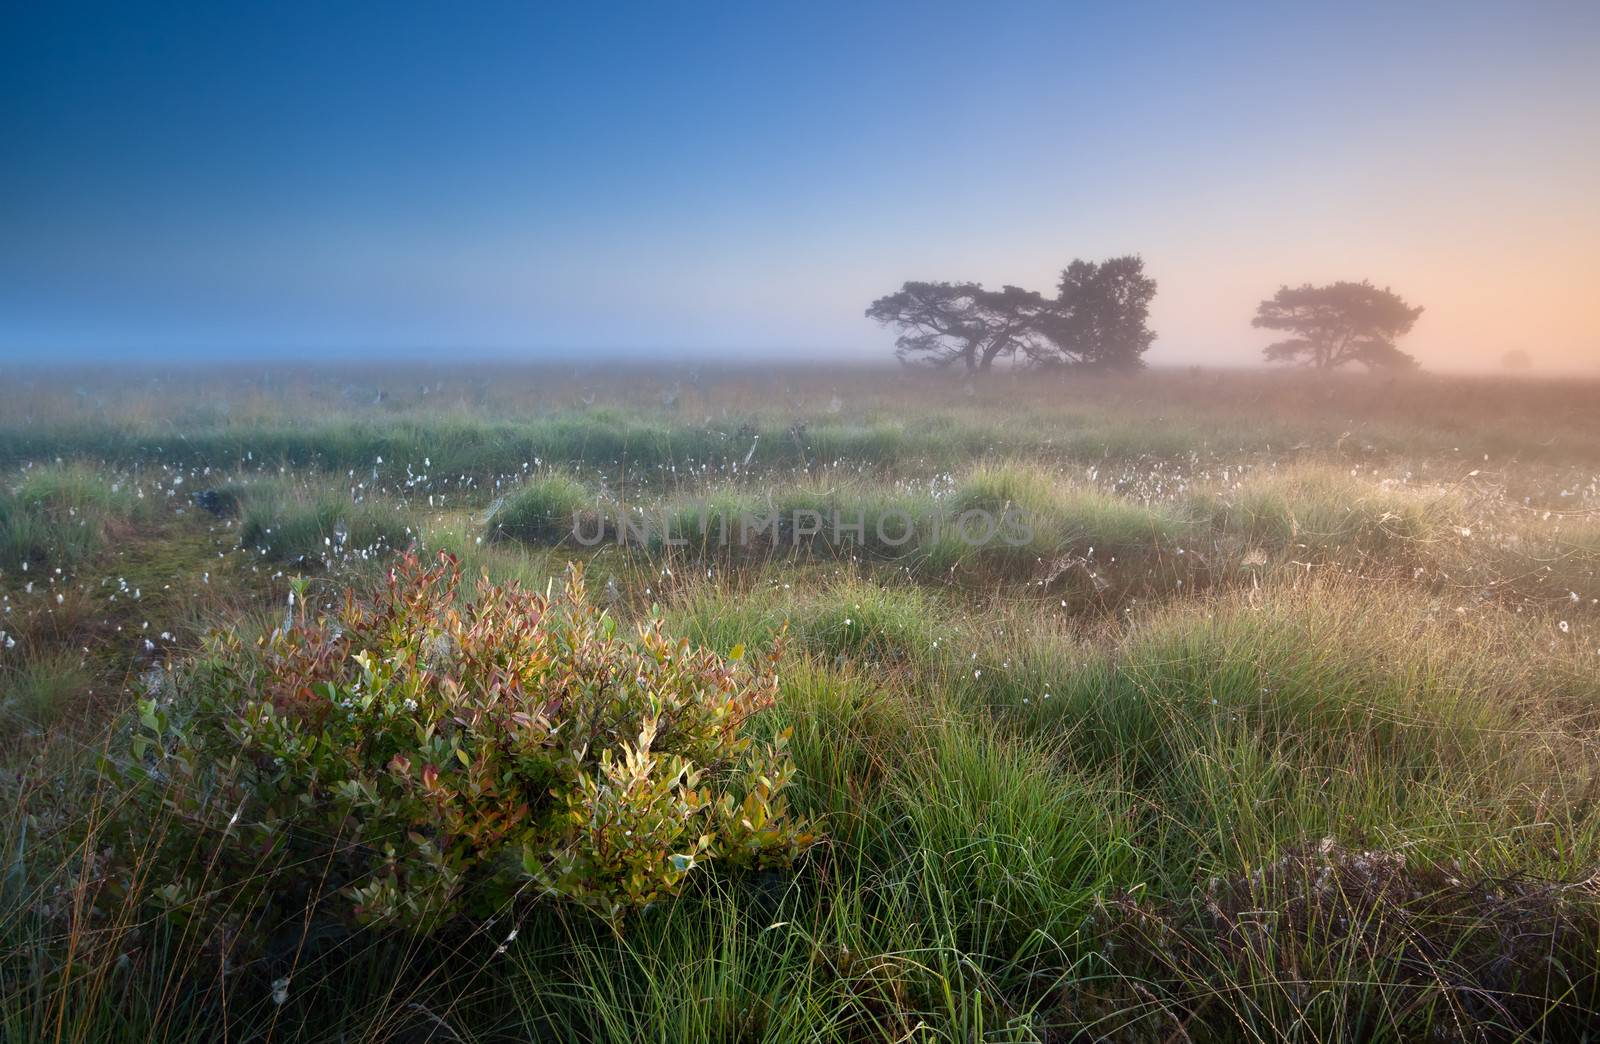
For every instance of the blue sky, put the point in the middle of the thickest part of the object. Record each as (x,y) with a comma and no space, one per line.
(675,179)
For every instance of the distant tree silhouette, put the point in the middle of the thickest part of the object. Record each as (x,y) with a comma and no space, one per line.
(1517,359)
(1098,318)
(1338,324)
(1101,315)
(948,323)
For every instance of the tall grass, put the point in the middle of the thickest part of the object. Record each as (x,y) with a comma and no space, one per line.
(545,509)
(1322,512)
(59,516)
(37,693)
(323,528)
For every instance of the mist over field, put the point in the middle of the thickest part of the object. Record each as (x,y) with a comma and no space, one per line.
(519,183)
(904,522)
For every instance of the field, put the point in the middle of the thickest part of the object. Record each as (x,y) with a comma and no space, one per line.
(1277,718)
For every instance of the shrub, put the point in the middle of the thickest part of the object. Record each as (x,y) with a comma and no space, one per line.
(422,756)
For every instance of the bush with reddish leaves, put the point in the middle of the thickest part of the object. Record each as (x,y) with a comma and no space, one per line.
(423,755)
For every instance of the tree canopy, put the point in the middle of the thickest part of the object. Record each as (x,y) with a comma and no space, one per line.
(945,323)
(1102,313)
(1337,324)
(1099,317)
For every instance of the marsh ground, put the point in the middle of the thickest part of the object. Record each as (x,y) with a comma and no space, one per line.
(1281,723)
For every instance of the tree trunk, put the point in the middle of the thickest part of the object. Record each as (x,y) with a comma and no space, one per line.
(989,354)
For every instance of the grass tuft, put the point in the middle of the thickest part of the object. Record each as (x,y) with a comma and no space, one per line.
(542,510)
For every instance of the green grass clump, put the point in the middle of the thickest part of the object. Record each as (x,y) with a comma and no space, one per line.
(833,618)
(1002,521)
(1014,849)
(1257,720)
(994,488)
(327,529)
(1312,511)
(1065,518)
(719,618)
(60,516)
(36,693)
(710,525)
(542,510)
(867,622)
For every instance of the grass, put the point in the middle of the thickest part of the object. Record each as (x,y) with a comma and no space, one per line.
(545,509)
(323,529)
(510,421)
(1280,723)
(39,692)
(1319,512)
(999,520)
(58,516)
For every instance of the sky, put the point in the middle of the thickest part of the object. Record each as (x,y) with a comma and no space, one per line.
(228,180)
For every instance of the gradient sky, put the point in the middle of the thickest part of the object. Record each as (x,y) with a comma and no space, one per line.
(688,179)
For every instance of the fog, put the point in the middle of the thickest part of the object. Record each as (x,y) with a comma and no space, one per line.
(179,186)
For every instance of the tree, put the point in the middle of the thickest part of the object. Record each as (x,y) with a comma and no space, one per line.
(1098,318)
(1337,324)
(946,323)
